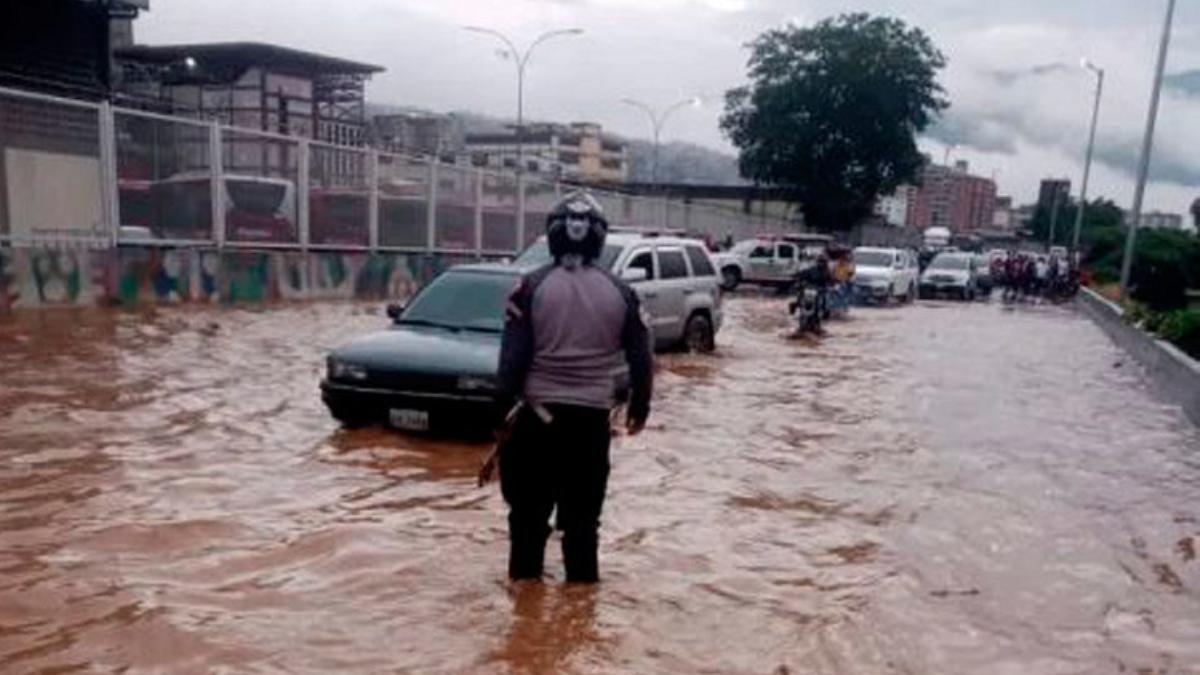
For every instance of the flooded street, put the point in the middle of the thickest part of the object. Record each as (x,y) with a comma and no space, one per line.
(937,489)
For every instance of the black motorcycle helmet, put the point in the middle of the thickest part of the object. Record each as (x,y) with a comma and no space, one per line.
(576,226)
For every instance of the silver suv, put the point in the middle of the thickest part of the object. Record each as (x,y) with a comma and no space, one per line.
(674,277)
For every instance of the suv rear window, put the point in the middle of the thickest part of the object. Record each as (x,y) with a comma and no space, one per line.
(672,264)
(701,266)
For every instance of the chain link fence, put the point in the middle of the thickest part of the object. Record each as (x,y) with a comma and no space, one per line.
(73,172)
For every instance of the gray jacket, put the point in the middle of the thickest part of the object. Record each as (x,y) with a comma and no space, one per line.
(565,333)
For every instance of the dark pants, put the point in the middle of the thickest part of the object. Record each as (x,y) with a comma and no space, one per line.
(562,465)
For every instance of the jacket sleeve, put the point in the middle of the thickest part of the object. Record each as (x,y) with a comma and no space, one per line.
(635,340)
(516,347)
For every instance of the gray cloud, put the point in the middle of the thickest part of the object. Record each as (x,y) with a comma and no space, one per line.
(1187,82)
(968,130)
(1009,77)
(1166,167)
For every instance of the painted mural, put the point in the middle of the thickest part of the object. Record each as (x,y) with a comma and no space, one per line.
(137,276)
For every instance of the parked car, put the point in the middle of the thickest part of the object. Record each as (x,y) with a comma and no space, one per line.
(436,365)
(674,277)
(769,261)
(952,274)
(885,273)
(983,274)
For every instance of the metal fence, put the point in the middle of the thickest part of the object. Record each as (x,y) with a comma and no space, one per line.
(84,174)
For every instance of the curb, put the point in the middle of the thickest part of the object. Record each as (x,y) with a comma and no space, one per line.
(1176,374)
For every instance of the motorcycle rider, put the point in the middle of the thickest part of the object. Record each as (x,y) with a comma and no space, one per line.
(817,277)
(569,326)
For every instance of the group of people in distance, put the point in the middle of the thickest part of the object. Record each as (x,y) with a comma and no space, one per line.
(1036,277)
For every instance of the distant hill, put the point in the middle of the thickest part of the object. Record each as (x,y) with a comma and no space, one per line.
(678,162)
(683,163)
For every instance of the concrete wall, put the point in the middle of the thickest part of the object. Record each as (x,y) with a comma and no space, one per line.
(137,276)
(1176,374)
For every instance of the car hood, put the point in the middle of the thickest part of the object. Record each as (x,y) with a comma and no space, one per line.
(427,350)
(956,276)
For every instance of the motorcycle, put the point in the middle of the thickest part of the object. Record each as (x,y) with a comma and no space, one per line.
(808,308)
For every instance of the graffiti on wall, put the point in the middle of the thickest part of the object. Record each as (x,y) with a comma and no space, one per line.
(134,276)
(51,277)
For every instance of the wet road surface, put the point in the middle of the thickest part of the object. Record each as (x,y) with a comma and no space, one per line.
(936,489)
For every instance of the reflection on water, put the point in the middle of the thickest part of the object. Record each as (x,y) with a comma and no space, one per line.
(943,488)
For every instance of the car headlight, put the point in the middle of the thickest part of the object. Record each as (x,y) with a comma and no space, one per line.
(475,383)
(342,370)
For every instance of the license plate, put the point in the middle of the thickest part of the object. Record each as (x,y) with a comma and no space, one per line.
(411,420)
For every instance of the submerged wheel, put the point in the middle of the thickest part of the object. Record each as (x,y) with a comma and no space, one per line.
(698,335)
(730,278)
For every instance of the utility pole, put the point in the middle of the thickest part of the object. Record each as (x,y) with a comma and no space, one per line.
(1147,149)
(1087,162)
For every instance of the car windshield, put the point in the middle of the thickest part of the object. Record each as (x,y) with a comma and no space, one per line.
(539,255)
(462,300)
(873,258)
(745,247)
(950,262)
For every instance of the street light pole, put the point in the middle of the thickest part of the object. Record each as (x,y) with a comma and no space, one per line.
(1087,162)
(657,120)
(521,59)
(1147,149)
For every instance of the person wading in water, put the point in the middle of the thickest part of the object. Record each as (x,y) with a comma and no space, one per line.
(569,327)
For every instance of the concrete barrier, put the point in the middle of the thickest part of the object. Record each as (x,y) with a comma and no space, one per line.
(1176,374)
(132,276)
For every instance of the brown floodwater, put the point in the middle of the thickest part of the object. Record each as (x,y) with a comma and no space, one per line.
(934,489)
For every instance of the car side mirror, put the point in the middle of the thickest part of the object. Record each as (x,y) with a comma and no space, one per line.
(394,310)
(634,274)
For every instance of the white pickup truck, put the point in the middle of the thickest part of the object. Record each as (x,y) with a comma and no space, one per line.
(768,261)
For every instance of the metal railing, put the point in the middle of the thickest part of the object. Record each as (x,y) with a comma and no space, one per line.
(74,173)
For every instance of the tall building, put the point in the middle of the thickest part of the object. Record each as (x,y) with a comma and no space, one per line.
(893,208)
(580,151)
(1003,218)
(262,87)
(951,197)
(1054,190)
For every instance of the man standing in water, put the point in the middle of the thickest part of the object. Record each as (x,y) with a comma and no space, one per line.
(569,327)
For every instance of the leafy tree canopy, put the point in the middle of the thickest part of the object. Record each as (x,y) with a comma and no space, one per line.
(832,112)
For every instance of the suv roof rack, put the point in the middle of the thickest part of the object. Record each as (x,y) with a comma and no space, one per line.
(648,231)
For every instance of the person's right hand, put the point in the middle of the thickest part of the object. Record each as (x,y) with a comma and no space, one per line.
(633,426)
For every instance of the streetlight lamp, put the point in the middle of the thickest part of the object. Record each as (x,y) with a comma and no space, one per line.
(522,60)
(1087,163)
(657,120)
(1147,149)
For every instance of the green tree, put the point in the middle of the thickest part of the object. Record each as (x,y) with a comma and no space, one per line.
(1098,215)
(832,112)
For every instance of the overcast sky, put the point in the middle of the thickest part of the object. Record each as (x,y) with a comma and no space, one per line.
(1020,101)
